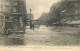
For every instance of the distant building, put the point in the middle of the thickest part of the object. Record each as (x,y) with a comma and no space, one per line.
(29,18)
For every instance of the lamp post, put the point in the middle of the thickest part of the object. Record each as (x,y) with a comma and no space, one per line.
(30,13)
(30,19)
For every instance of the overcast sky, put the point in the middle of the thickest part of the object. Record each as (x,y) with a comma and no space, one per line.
(39,6)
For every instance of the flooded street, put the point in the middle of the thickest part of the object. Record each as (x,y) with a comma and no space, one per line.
(50,36)
(12,40)
(43,36)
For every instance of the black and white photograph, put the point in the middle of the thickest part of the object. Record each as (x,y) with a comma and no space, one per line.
(40,22)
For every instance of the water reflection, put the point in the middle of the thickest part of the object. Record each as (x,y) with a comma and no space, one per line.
(14,40)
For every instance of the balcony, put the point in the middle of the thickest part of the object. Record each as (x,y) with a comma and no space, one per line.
(10,21)
(15,13)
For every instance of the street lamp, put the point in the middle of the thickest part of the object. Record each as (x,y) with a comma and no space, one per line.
(30,19)
(30,13)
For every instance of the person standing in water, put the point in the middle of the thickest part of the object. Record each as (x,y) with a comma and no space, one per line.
(32,25)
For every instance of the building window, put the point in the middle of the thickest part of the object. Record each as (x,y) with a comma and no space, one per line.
(76,4)
(15,3)
(7,3)
(76,11)
(14,9)
(21,21)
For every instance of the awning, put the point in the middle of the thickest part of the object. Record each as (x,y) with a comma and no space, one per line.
(74,22)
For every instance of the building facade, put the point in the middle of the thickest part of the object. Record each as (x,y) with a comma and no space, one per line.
(14,16)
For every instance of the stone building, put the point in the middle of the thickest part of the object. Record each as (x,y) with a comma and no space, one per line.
(14,12)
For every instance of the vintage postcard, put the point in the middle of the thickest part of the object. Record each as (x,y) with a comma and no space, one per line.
(39,25)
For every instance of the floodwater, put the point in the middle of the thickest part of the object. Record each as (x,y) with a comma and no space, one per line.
(46,36)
